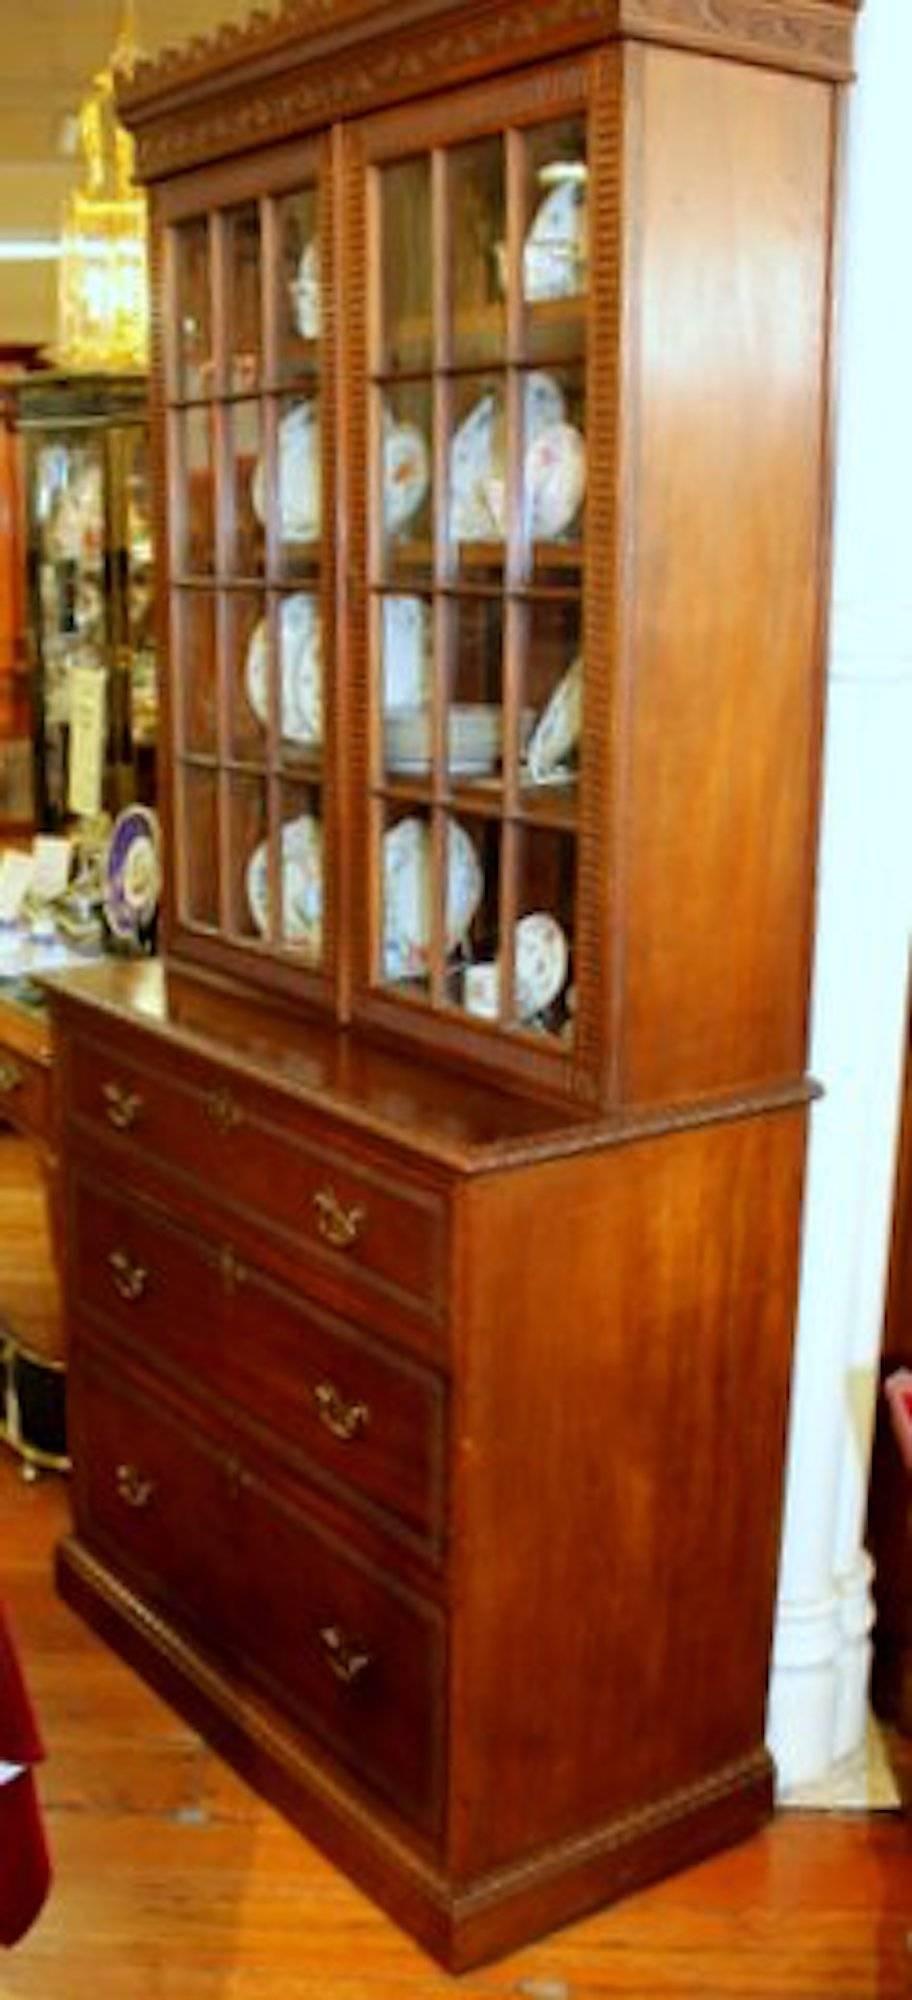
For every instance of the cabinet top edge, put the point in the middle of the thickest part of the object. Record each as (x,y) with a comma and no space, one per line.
(317,62)
(459,1125)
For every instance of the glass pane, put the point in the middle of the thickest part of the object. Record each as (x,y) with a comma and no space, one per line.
(249,885)
(194,309)
(195,556)
(195,660)
(405,253)
(201,846)
(406,893)
(242,258)
(300,303)
(473,967)
(245,529)
(555,268)
(478,472)
(139,604)
(554,470)
(300,646)
(302,919)
(553,697)
(249,675)
(477,195)
(404,628)
(474,733)
(299,461)
(404,504)
(544,996)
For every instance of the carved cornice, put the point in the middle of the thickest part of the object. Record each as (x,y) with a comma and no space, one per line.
(321,60)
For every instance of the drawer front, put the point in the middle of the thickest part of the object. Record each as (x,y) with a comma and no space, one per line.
(24,1093)
(156,1498)
(364,1222)
(359,1662)
(183,1513)
(360,1416)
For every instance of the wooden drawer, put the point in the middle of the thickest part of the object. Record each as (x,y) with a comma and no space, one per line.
(359,1219)
(25,1088)
(179,1507)
(357,1413)
(156,1497)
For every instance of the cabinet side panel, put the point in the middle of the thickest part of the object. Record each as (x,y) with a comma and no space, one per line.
(619,1442)
(735,194)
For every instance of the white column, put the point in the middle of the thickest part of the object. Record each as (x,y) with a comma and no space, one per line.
(821,1655)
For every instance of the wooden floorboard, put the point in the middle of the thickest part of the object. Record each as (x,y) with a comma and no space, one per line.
(173,1882)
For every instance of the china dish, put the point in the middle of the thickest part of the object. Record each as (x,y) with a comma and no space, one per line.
(302,885)
(305,293)
(407,889)
(301,718)
(406,651)
(132,872)
(555,253)
(541,963)
(474,738)
(406,473)
(557,731)
(300,500)
(555,466)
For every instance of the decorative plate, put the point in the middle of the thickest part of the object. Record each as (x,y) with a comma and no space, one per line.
(555,252)
(406,649)
(305,292)
(302,885)
(557,730)
(406,471)
(555,480)
(407,894)
(477,455)
(302,671)
(132,872)
(300,503)
(541,962)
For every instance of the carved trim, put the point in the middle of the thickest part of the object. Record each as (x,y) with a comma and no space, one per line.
(222,96)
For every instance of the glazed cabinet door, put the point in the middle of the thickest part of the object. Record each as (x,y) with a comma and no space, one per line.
(249,416)
(480,229)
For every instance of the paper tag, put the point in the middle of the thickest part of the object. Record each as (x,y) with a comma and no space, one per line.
(52,855)
(87,740)
(16,871)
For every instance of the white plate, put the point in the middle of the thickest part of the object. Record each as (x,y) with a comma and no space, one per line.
(302,671)
(302,885)
(406,471)
(555,252)
(555,480)
(406,647)
(407,894)
(300,501)
(305,293)
(541,962)
(557,730)
(477,468)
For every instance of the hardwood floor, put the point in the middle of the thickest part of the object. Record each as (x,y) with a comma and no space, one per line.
(173,1882)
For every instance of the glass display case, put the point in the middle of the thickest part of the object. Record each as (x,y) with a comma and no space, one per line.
(89,536)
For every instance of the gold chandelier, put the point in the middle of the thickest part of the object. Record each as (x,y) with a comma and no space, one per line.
(103,301)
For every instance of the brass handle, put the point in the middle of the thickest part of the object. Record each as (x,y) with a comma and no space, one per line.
(347,1421)
(134,1490)
(122,1106)
(223,1111)
(130,1279)
(11,1077)
(337,1225)
(346,1659)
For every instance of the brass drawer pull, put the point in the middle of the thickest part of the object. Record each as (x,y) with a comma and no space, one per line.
(222,1111)
(345,1658)
(122,1107)
(11,1076)
(134,1490)
(130,1279)
(346,1421)
(337,1225)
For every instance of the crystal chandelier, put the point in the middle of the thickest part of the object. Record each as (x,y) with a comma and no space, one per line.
(103,309)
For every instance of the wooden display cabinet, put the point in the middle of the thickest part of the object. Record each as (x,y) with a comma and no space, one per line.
(433,1210)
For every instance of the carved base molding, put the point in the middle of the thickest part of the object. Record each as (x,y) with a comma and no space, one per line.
(461,1924)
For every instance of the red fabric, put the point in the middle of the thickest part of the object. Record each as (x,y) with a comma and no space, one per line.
(24,1861)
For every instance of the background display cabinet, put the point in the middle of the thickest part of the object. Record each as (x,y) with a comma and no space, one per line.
(90,577)
(433,1208)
